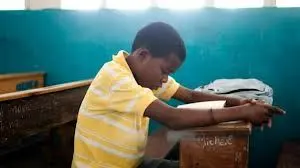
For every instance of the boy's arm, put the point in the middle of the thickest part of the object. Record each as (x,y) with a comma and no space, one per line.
(190,96)
(176,118)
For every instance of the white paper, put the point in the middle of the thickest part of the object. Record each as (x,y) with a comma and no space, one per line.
(205,105)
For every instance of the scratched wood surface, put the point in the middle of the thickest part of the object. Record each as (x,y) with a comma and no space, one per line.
(224,128)
(13,82)
(28,113)
(223,146)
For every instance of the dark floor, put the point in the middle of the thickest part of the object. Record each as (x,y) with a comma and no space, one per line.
(31,157)
(53,149)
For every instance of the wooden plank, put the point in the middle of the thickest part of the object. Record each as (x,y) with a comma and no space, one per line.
(223,145)
(15,82)
(29,112)
(222,128)
(44,90)
(214,151)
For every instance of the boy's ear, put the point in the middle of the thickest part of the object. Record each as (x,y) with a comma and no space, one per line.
(143,54)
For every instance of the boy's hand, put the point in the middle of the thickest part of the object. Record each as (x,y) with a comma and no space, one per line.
(231,102)
(246,101)
(259,113)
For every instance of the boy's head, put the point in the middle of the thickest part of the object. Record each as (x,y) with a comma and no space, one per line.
(157,51)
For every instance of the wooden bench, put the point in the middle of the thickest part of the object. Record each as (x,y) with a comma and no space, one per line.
(21,81)
(30,112)
(37,125)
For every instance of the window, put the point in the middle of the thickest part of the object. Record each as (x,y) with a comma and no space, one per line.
(238,3)
(165,4)
(127,4)
(288,3)
(180,4)
(12,4)
(81,4)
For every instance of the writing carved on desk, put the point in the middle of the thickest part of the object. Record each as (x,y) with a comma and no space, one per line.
(213,142)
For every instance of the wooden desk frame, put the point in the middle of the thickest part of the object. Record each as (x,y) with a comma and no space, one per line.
(13,82)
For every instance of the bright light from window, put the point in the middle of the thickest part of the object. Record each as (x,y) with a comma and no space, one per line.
(81,4)
(128,4)
(12,4)
(180,4)
(288,3)
(239,3)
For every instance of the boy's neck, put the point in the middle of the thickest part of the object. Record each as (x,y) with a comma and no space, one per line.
(131,62)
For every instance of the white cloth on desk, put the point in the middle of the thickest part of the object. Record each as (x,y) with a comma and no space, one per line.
(240,88)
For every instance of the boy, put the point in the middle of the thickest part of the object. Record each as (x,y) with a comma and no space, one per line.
(113,119)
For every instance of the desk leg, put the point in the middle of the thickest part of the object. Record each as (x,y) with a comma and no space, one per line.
(173,154)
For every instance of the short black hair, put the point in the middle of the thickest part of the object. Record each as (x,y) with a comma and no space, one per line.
(161,40)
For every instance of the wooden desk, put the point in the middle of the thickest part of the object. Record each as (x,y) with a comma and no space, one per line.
(220,146)
(21,81)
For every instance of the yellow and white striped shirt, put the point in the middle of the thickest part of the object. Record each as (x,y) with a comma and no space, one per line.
(111,131)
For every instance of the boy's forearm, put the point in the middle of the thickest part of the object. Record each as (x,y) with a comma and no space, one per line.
(229,114)
(182,118)
(187,118)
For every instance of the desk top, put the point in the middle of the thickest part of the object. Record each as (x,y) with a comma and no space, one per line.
(44,90)
(228,127)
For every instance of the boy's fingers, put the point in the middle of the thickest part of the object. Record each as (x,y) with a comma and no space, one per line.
(270,123)
(250,101)
(277,110)
(274,109)
(253,101)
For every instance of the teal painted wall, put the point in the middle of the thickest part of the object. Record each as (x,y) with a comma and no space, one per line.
(1,66)
(260,43)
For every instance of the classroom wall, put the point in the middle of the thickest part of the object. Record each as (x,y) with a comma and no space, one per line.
(1,65)
(258,43)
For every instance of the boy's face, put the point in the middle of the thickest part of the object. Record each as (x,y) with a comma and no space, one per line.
(152,72)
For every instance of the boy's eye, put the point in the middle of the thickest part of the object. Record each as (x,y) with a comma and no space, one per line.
(165,72)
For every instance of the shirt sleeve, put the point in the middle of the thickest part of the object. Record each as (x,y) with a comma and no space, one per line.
(129,97)
(168,89)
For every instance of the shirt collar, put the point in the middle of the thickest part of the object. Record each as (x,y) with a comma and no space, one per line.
(120,58)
